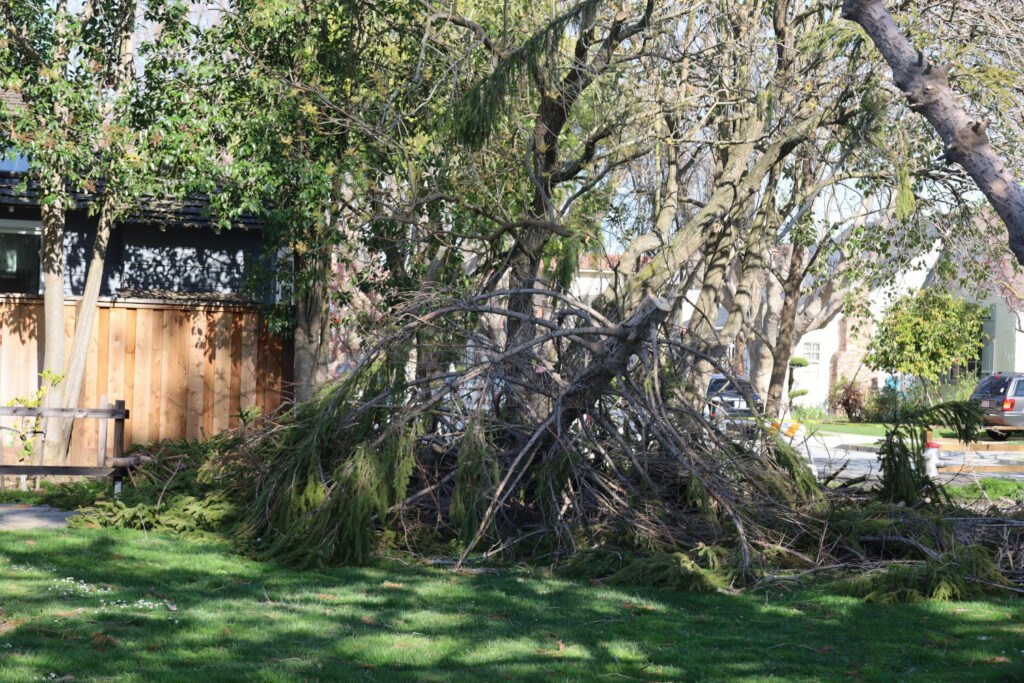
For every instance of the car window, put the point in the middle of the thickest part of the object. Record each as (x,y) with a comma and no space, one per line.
(1019,389)
(993,384)
(716,385)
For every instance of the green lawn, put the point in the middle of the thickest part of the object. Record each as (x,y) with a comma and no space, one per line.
(114,605)
(872,429)
(860,428)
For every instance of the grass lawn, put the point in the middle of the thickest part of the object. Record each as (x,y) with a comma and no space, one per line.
(118,605)
(874,429)
(861,428)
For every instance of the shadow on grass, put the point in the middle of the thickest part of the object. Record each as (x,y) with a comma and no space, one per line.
(155,608)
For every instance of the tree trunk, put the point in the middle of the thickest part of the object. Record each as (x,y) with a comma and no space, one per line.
(763,353)
(59,435)
(311,330)
(753,268)
(52,258)
(927,89)
(787,331)
(654,276)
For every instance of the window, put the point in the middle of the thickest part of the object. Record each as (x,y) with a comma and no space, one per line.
(12,161)
(993,385)
(812,352)
(1018,391)
(19,257)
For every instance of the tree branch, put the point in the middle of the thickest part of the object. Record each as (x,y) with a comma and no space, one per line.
(927,89)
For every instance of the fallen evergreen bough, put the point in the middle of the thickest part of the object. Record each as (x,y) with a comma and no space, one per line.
(577,448)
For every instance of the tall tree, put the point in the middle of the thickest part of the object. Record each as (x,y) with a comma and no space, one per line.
(110,114)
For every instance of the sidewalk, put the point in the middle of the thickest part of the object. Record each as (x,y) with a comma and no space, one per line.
(18,517)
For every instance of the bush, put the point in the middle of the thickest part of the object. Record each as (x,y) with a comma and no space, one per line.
(849,397)
(884,405)
(809,413)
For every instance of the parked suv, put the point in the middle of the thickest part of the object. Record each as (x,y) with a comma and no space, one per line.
(729,399)
(1002,402)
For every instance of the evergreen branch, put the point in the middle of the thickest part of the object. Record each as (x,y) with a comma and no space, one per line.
(485,102)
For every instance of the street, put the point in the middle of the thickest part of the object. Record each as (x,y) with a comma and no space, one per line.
(829,452)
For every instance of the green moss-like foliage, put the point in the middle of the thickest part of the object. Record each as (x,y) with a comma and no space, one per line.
(171,494)
(801,482)
(334,466)
(675,571)
(965,574)
(185,515)
(475,477)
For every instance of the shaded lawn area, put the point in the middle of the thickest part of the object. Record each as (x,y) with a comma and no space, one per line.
(97,604)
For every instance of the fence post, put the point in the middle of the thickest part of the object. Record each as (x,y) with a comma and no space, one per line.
(119,431)
(101,448)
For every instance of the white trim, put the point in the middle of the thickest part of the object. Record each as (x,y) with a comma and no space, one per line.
(19,227)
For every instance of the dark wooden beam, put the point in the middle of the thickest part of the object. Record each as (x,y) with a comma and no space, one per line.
(21,411)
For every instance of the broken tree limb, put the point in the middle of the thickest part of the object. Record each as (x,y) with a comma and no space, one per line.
(130,461)
(926,87)
(611,360)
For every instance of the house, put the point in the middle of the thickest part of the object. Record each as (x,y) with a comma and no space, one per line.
(838,350)
(176,336)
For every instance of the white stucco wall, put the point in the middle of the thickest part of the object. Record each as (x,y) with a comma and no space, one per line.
(815,378)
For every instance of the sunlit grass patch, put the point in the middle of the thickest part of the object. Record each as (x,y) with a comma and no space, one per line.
(128,606)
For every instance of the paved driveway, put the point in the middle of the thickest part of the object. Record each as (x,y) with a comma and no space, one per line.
(32,517)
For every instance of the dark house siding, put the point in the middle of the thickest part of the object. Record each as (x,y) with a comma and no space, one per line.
(159,248)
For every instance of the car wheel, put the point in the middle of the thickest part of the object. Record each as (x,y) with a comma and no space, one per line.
(997,435)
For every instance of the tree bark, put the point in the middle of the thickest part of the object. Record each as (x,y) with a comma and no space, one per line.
(311,329)
(58,437)
(654,276)
(52,259)
(927,89)
(787,331)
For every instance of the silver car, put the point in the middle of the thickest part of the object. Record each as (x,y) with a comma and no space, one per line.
(1001,396)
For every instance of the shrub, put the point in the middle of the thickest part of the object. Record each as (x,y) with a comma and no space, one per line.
(808,413)
(849,397)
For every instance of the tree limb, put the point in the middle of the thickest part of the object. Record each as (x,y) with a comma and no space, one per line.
(926,87)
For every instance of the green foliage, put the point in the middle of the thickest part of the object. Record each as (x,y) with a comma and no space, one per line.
(29,427)
(674,571)
(796,466)
(798,362)
(484,104)
(337,464)
(968,573)
(926,334)
(809,413)
(901,455)
(173,493)
(991,489)
(184,515)
(475,478)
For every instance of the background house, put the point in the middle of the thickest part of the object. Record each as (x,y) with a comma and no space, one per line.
(177,336)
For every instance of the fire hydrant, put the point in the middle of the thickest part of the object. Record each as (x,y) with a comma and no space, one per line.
(931,459)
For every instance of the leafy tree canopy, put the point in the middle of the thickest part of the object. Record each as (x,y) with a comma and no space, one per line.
(926,334)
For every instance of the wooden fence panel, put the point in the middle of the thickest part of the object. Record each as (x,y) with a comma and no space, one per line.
(184,370)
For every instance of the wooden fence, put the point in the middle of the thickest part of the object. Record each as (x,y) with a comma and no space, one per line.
(184,370)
